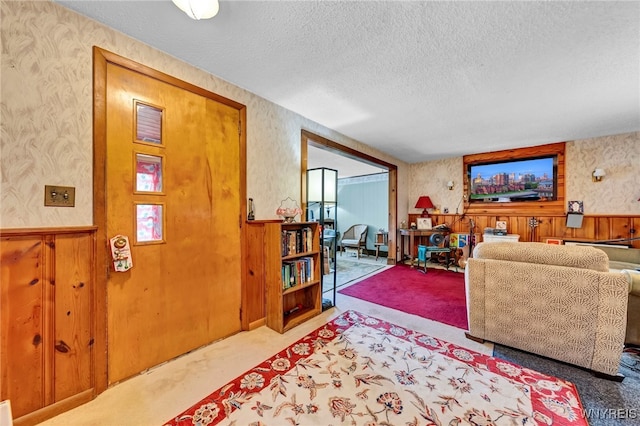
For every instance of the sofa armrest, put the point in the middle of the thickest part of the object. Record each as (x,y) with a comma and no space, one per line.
(633,309)
(475,294)
(633,276)
(612,322)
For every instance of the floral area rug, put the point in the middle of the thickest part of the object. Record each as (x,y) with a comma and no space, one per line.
(359,370)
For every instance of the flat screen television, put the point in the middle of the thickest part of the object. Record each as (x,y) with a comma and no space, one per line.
(504,181)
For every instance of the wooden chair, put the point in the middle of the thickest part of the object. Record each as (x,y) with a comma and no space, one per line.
(354,237)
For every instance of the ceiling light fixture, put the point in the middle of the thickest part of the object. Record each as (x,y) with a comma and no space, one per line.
(198,9)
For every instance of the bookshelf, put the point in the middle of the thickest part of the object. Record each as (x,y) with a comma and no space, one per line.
(292,269)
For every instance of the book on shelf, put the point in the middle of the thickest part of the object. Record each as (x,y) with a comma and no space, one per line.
(297,272)
(308,239)
(293,248)
(296,241)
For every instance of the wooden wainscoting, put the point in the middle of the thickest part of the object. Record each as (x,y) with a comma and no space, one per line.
(594,227)
(48,315)
(254,304)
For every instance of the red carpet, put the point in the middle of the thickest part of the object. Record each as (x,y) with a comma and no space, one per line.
(437,295)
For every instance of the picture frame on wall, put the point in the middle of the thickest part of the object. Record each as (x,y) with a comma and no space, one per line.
(424,223)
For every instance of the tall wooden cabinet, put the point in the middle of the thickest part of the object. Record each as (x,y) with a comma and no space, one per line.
(292,273)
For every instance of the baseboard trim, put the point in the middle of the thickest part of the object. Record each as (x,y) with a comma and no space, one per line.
(53,410)
(257,324)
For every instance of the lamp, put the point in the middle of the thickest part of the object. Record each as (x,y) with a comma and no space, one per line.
(322,188)
(424,203)
(450,185)
(198,9)
(597,175)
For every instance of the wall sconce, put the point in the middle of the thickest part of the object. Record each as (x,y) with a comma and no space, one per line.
(597,175)
(450,185)
(198,9)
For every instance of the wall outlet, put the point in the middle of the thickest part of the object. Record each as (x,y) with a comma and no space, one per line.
(59,196)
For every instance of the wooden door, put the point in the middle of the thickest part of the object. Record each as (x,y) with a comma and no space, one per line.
(173,188)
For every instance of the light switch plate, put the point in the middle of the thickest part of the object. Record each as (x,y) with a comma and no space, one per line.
(59,196)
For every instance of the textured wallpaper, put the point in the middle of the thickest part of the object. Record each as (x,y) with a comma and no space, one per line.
(46,117)
(619,190)
(430,178)
(618,193)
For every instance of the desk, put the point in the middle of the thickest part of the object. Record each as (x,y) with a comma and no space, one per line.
(412,234)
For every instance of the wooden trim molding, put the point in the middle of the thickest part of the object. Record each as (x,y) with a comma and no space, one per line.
(10,232)
(309,138)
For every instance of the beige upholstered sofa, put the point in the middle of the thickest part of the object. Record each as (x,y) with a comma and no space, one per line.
(560,302)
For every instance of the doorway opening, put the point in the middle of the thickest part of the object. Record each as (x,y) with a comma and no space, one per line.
(366,196)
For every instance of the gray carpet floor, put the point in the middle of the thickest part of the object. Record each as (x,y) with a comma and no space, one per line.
(606,403)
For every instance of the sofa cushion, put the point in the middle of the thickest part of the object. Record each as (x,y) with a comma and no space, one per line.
(584,257)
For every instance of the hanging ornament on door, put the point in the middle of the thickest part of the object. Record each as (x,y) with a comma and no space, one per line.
(121,253)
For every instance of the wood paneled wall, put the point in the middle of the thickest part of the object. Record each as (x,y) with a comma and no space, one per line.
(47,337)
(253,305)
(594,227)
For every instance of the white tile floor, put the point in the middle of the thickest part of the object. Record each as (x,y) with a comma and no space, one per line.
(161,393)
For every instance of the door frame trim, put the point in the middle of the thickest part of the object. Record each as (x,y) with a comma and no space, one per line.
(309,138)
(101,58)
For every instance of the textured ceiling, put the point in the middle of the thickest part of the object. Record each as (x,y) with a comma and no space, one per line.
(417,80)
(346,167)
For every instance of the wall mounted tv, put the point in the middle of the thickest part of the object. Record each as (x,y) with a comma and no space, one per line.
(529,179)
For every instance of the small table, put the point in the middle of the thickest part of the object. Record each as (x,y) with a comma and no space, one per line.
(382,239)
(412,234)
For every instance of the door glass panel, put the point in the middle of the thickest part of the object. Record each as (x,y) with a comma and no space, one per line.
(148,123)
(148,173)
(149,223)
